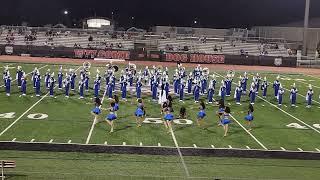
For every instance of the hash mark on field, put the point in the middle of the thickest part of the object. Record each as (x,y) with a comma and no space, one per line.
(212,146)
(285,106)
(248,147)
(106,143)
(124,143)
(283,149)
(194,145)
(230,147)
(32,140)
(229,104)
(69,141)
(51,140)
(14,139)
(159,144)
(300,149)
(262,105)
(141,144)
(317,149)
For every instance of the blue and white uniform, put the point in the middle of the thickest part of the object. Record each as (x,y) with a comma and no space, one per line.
(51,85)
(154,90)
(66,85)
(276,86)
(238,93)
(8,85)
(181,90)
(222,91)
(168,116)
(37,80)
(211,90)
(138,89)
(81,88)
(112,115)
(73,80)
(201,113)
(228,84)
(244,81)
(96,88)
(252,93)
(196,92)
(47,77)
(23,86)
(280,96)
(60,78)
(96,110)
(190,80)
(19,75)
(293,95)
(264,88)
(309,97)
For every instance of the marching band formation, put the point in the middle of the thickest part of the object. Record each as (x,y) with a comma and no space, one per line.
(157,82)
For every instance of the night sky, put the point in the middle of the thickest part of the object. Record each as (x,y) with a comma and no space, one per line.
(147,13)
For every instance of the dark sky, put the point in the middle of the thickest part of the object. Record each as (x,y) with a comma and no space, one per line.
(209,13)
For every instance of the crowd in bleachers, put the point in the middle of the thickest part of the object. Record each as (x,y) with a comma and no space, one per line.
(125,40)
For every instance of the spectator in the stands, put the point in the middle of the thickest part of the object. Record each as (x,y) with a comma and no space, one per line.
(215,48)
(120,45)
(90,38)
(242,52)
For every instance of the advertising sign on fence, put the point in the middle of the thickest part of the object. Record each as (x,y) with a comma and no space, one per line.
(195,58)
(103,54)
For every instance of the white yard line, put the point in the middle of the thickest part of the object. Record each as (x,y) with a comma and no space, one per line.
(289,115)
(317,149)
(253,137)
(248,132)
(14,122)
(180,154)
(302,82)
(26,74)
(94,121)
(311,76)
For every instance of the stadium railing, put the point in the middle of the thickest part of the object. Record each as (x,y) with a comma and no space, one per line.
(5,164)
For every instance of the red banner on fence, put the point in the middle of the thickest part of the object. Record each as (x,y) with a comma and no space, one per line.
(195,58)
(106,54)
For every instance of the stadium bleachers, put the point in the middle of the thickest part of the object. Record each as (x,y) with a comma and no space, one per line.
(212,46)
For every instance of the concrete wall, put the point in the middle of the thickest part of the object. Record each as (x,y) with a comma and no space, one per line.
(195,31)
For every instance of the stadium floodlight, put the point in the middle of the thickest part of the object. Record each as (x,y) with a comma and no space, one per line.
(65,12)
(306,27)
(195,22)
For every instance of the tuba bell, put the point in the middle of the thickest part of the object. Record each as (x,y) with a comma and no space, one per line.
(206,71)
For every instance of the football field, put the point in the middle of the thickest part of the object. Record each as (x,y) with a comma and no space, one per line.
(63,120)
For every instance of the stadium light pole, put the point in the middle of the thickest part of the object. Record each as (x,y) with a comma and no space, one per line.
(306,27)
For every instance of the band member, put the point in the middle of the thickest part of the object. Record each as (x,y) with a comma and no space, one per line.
(222,91)
(181,90)
(24,85)
(244,81)
(51,84)
(280,96)
(81,88)
(47,77)
(293,95)
(252,93)
(309,96)
(66,85)
(264,87)
(60,78)
(19,75)
(138,89)
(8,85)
(37,80)
(154,90)
(196,92)
(211,90)
(228,84)
(96,88)
(276,86)
(238,93)
(73,76)
(190,80)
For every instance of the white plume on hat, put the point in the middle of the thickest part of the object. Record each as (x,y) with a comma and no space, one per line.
(52,75)
(239,83)
(294,85)
(265,78)
(310,86)
(98,71)
(278,77)
(213,76)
